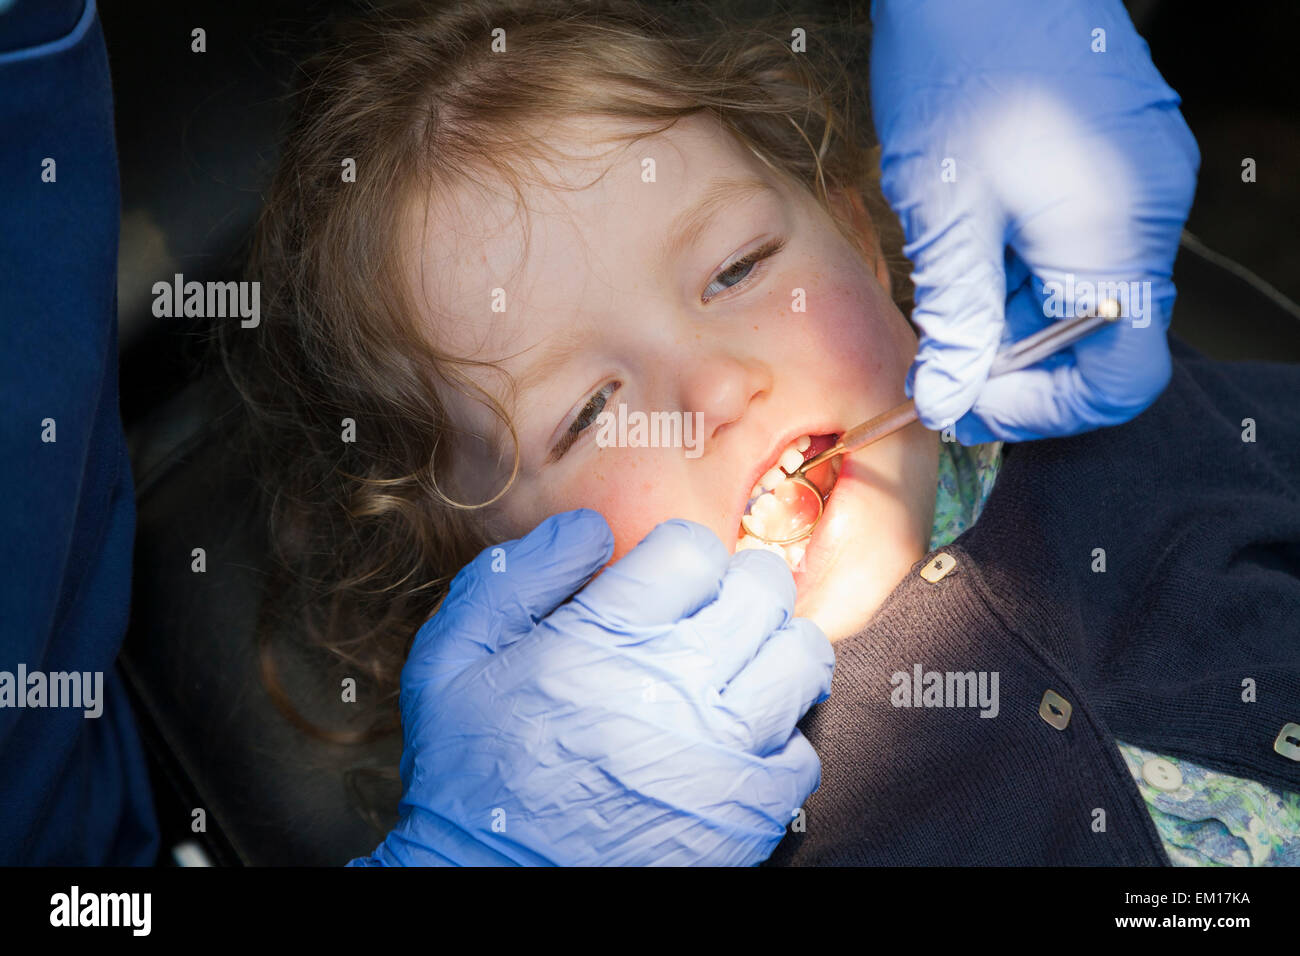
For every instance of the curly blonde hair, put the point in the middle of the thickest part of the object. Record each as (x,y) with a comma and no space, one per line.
(365,539)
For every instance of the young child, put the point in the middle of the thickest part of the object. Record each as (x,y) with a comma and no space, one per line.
(479,243)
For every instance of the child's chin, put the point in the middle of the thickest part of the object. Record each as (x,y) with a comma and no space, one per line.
(840,609)
(852,562)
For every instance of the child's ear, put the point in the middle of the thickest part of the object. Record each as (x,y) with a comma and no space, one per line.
(849,206)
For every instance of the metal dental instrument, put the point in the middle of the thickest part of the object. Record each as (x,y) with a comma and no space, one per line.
(1017,355)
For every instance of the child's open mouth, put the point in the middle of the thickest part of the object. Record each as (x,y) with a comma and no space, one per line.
(780,509)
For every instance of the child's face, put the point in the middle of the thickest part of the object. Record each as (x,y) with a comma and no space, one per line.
(598,313)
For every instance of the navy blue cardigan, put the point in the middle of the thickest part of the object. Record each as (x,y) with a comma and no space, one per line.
(1197,610)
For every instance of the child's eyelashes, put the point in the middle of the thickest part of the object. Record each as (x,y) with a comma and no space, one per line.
(742,270)
(745,266)
(585,418)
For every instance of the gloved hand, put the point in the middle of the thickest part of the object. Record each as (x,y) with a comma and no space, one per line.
(1004,124)
(649,720)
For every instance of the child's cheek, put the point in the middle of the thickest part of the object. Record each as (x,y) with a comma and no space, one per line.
(633,496)
(855,336)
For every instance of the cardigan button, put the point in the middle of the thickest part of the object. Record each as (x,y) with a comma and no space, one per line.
(1162,774)
(1288,742)
(937,568)
(1055,709)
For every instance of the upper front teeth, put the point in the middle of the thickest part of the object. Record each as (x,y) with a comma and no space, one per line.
(789,462)
(791,459)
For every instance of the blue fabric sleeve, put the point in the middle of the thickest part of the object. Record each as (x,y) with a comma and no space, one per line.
(74,789)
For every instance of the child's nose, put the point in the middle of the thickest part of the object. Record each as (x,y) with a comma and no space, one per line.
(722,388)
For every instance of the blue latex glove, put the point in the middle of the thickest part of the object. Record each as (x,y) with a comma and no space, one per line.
(649,720)
(1066,161)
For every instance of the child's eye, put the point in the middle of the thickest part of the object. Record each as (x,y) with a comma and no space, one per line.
(743,266)
(588,414)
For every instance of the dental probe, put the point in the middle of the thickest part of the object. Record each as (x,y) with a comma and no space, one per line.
(1018,355)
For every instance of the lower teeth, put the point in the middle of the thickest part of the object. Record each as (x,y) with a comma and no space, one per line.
(773,508)
(792,554)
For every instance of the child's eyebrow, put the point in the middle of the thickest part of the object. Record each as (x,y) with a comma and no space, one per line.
(689,224)
(558,349)
(684,231)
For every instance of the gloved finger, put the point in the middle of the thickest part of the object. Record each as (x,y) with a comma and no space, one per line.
(540,571)
(791,672)
(1024,312)
(1105,379)
(672,573)
(1024,317)
(1028,404)
(1020,405)
(755,600)
(501,595)
(737,806)
(763,796)
(792,773)
(960,294)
